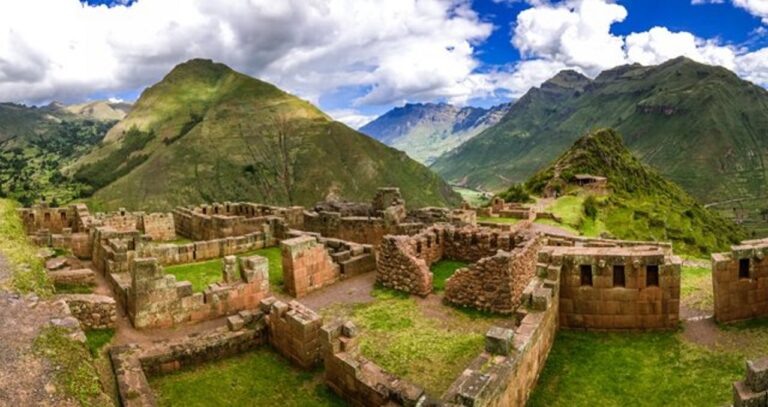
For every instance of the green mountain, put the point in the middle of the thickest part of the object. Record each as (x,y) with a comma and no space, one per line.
(207,133)
(640,203)
(36,142)
(700,126)
(427,130)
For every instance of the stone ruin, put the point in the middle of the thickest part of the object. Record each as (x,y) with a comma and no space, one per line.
(753,391)
(740,280)
(543,282)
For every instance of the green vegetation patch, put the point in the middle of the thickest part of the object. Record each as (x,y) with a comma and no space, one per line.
(648,369)
(27,271)
(471,196)
(423,341)
(258,378)
(75,372)
(62,288)
(204,273)
(96,339)
(696,288)
(119,162)
(442,270)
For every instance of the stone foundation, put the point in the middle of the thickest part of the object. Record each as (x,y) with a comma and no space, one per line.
(221,220)
(740,280)
(93,311)
(294,331)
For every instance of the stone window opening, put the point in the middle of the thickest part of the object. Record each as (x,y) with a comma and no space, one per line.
(586,275)
(437,239)
(418,247)
(32,216)
(205,211)
(63,216)
(652,276)
(216,210)
(429,242)
(47,217)
(744,268)
(474,239)
(494,241)
(619,276)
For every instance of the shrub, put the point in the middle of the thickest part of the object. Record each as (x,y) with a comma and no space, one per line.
(590,207)
(516,193)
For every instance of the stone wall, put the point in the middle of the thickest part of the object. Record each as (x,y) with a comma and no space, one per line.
(357,380)
(93,311)
(753,391)
(294,331)
(740,280)
(159,226)
(307,266)
(155,299)
(133,363)
(495,283)
(399,267)
(170,254)
(43,217)
(216,221)
(507,372)
(591,297)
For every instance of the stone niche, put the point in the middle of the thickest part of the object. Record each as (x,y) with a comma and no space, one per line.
(740,280)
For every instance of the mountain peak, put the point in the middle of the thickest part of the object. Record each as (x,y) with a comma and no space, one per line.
(568,79)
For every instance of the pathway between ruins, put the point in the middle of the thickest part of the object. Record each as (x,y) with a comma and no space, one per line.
(25,379)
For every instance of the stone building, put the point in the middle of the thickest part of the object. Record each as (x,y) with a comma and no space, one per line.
(740,280)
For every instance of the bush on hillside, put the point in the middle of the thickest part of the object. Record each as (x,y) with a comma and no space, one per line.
(516,193)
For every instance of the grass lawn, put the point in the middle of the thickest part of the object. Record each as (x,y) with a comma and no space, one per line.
(443,269)
(472,197)
(203,273)
(258,378)
(510,221)
(696,288)
(647,369)
(421,340)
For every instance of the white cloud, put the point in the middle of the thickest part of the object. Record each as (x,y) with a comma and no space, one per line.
(700,2)
(398,49)
(351,117)
(758,8)
(577,34)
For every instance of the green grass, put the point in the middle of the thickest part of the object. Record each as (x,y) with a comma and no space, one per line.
(638,369)
(258,378)
(696,288)
(204,273)
(471,196)
(443,269)
(61,288)
(509,221)
(96,339)
(27,271)
(75,373)
(423,341)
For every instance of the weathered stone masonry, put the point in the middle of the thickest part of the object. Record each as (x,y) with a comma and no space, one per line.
(740,280)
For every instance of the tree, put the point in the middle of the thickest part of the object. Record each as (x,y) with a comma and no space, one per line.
(273,149)
(590,207)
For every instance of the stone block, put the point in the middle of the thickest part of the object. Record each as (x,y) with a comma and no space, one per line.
(229,269)
(184,288)
(265,305)
(235,323)
(349,329)
(498,340)
(757,375)
(743,396)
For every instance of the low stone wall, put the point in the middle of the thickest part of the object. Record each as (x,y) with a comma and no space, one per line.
(740,280)
(294,331)
(73,277)
(228,219)
(507,372)
(133,363)
(608,288)
(93,311)
(155,299)
(357,380)
(753,391)
(496,283)
(170,254)
(399,267)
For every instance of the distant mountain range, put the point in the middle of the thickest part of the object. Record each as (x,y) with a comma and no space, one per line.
(427,130)
(700,126)
(207,133)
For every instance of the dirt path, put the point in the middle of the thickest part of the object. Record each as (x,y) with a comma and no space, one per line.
(354,290)
(25,379)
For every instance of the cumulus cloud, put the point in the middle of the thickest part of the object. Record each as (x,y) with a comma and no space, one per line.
(351,117)
(577,34)
(758,8)
(396,48)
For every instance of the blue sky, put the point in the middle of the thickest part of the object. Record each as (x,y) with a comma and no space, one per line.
(358,58)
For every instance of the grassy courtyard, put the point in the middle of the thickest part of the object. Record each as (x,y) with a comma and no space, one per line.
(203,273)
(443,269)
(258,378)
(421,340)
